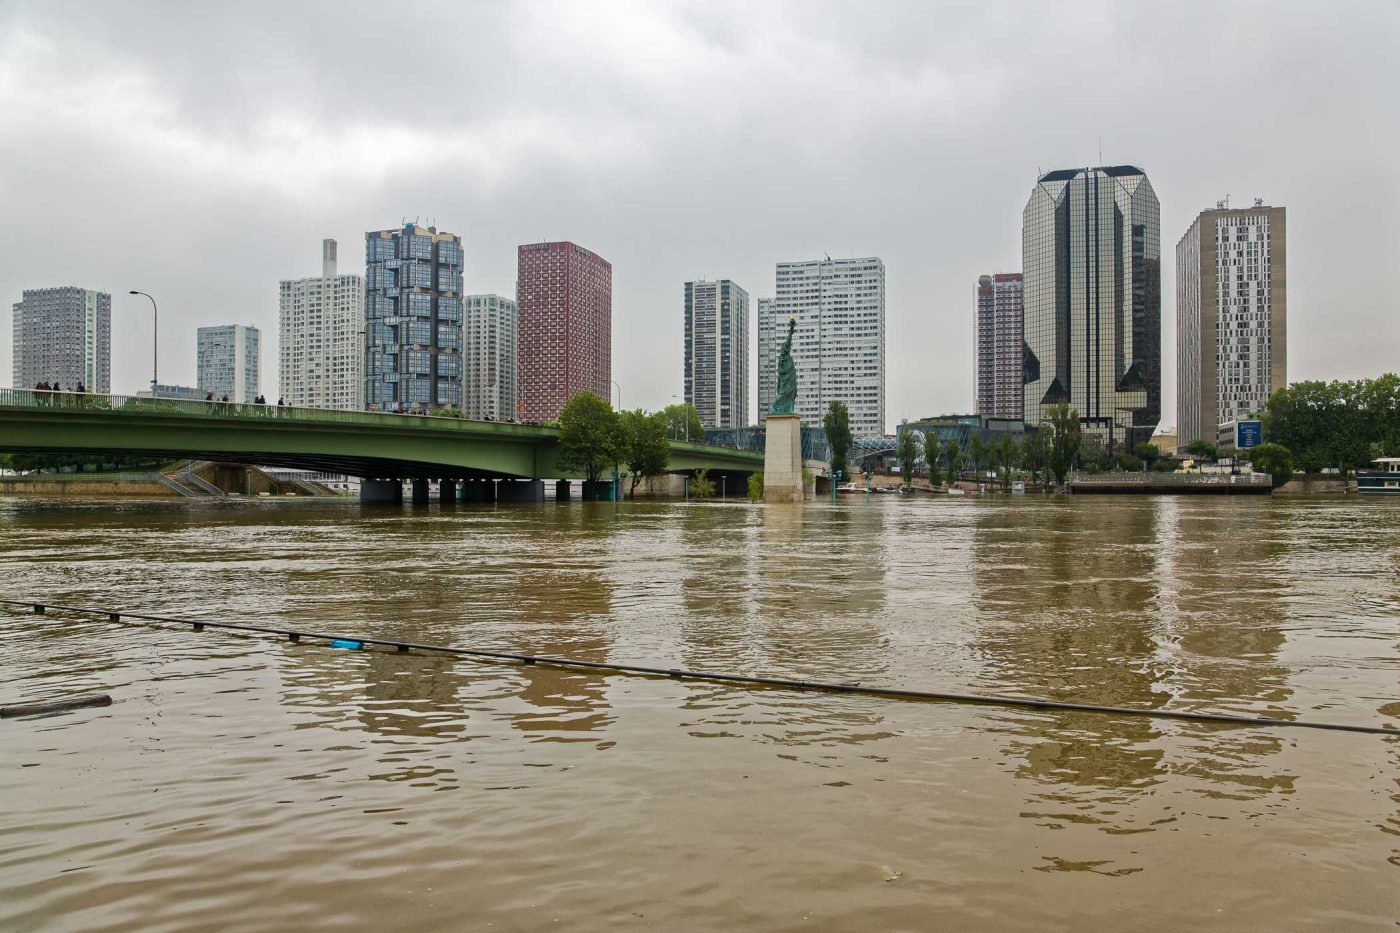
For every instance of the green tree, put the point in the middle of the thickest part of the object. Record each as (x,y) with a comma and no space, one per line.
(756,486)
(1273,459)
(1203,450)
(1147,453)
(1034,452)
(683,423)
(952,455)
(645,449)
(702,487)
(1066,440)
(1009,453)
(837,424)
(1340,424)
(590,436)
(908,454)
(451,411)
(977,453)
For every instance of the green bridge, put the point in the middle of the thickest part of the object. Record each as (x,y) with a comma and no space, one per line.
(382,449)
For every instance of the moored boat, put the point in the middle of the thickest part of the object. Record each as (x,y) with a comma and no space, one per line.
(1384,480)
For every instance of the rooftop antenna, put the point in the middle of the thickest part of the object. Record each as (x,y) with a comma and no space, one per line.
(1100,151)
(1258,202)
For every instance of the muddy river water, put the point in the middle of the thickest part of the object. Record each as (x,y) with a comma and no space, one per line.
(247,783)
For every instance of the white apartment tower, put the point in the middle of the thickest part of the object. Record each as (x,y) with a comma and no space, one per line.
(229,361)
(321,361)
(63,335)
(717,352)
(767,356)
(488,357)
(1231,317)
(839,347)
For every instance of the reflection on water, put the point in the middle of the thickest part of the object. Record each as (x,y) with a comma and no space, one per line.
(242,782)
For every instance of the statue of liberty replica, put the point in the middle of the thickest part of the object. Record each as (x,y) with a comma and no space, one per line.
(782,452)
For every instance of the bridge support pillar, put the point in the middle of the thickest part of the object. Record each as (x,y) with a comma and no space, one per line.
(561,490)
(598,491)
(420,492)
(521,490)
(447,492)
(381,491)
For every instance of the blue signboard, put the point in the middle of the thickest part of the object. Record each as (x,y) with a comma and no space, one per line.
(1249,434)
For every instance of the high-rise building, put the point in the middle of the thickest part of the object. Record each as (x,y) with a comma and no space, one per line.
(999,364)
(63,335)
(228,361)
(768,348)
(1231,317)
(565,305)
(413,319)
(1091,251)
(321,357)
(717,352)
(488,378)
(839,347)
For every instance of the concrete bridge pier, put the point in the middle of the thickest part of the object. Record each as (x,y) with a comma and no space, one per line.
(561,490)
(447,492)
(520,490)
(420,492)
(598,490)
(381,492)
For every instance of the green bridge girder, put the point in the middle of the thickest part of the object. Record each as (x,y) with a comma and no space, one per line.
(365,444)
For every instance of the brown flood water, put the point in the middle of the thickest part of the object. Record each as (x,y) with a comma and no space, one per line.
(243,783)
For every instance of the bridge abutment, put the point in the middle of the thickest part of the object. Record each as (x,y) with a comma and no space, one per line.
(520,490)
(381,492)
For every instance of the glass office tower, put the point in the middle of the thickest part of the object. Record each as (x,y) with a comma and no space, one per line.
(413,319)
(1091,251)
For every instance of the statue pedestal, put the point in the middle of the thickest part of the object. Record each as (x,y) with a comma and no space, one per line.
(782,459)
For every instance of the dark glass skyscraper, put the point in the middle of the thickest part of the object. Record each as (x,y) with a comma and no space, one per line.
(413,319)
(1091,252)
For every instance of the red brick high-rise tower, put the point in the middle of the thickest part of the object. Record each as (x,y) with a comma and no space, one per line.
(564,293)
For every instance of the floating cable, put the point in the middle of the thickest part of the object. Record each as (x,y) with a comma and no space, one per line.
(783,683)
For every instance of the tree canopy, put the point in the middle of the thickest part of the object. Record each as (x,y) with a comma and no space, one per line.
(590,435)
(645,448)
(1066,437)
(837,424)
(683,418)
(1273,459)
(1336,424)
(909,454)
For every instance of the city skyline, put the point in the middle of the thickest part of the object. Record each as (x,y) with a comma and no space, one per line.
(269,172)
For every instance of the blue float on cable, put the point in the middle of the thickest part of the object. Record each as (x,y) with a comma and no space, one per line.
(347,643)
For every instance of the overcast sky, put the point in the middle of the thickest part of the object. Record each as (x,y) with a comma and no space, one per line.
(202,151)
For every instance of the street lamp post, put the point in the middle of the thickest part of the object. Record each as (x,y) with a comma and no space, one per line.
(619,394)
(155,334)
(685,416)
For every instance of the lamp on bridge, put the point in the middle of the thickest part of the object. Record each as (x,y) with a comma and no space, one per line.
(155,333)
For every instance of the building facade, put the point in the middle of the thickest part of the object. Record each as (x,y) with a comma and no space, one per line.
(839,346)
(321,356)
(489,364)
(717,352)
(413,319)
(229,361)
(1231,317)
(999,365)
(1091,251)
(64,336)
(564,299)
(767,356)
(178,393)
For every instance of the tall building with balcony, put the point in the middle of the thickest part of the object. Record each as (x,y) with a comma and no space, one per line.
(64,336)
(413,319)
(322,349)
(489,358)
(839,346)
(767,355)
(229,361)
(564,295)
(717,352)
(1091,263)
(1231,317)
(999,362)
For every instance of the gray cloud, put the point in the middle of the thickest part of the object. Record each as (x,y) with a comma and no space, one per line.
(201,152)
